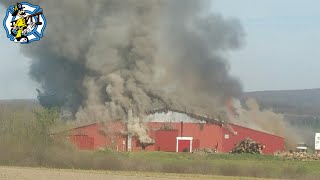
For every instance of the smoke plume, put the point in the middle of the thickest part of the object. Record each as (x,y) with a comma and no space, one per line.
(266,120)
(100,58)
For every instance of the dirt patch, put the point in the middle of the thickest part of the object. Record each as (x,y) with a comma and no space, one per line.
(24,173)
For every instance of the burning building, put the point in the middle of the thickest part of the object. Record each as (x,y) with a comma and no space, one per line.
(171,131)
(140,55)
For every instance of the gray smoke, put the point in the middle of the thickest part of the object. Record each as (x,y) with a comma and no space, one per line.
(102,57)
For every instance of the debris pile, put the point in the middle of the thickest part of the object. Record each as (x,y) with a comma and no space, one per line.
(248,146)
(298,156)
(205,151)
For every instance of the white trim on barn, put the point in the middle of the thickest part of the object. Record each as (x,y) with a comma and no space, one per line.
(184,138)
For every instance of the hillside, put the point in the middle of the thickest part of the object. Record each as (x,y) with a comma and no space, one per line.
(297,102)
(16,104)
(300,107)
(10,108)
(18,101)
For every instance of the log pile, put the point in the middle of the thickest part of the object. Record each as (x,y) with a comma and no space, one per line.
(304,156)
(248,146)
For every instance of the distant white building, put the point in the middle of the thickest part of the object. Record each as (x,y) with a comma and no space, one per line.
(317,142)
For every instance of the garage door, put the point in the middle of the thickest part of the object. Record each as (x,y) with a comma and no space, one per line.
(184,144)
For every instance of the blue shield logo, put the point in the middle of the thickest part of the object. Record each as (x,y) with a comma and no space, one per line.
(24,23)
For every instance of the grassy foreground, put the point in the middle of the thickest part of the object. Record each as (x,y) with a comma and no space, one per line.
(180,165)
(267,166)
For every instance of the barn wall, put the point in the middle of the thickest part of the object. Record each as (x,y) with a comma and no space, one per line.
(100,139)
(272,143)
(166,140)
(207,135)
(83,142)
(195,143)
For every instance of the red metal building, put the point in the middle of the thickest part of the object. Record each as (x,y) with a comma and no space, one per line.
(173,136)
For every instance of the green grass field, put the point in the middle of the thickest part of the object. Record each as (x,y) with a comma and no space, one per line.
(231,165)
(266,166)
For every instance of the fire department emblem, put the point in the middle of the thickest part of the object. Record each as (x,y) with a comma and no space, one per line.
(24,23)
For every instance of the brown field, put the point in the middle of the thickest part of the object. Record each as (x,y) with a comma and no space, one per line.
(23,173)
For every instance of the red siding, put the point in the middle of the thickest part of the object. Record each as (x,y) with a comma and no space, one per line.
(166,140)
(204,135)
(83,141)
(94,132)
(195,144)
(272,143)
(208,134)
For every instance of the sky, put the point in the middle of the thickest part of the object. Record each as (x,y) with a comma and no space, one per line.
(281,49)
(14,68)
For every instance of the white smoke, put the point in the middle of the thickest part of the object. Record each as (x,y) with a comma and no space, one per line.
(170,116)
(263,120)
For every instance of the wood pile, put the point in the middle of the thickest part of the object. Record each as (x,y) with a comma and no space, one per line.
(304,156)
(248,146)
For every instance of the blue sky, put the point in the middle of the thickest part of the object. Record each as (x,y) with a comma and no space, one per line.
(282,43)
(14,67)
(281,49)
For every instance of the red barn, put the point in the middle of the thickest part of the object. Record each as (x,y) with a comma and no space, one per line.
(172,131)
